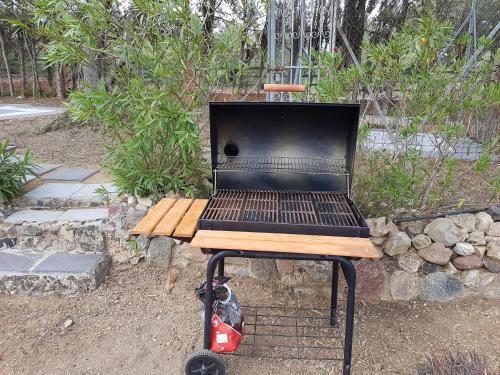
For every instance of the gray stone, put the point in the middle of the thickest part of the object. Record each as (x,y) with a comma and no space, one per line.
(465,221)
(391,227)
(494,212)
(420,241)
(84,214)
(429,267)
(145,201)
(68,323)
(370,278)
(377,241)
(397,243)
(91,238)
(404,285)
(483,221)
(494,230)
(477,238)
(42,168)
(68,263)
(437,253)
(131,200)
(70,174)
(263,268)
(160,249)
(493,250)
(18,261)
(450,269)
(7,243)
(413,227)
(133,217)
(377,226)
(480,250)
(441,287)
(444,231)
(491,264)
(54,190)
(468,262)
(34,216)
(87,192)
(410,262)
(463,248)
(478,278)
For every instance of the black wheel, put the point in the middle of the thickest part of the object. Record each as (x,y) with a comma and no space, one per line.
(205,362)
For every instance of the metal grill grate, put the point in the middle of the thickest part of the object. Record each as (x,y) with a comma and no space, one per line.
(282,207)
(273,164)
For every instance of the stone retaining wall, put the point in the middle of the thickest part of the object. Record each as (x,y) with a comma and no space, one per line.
(438,260)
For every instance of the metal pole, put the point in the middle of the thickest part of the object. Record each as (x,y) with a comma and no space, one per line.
(350,276)
(474,57)
(334,294)
(271,46)
(302,21)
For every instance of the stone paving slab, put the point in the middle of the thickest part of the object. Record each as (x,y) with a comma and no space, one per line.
(68,263)
(54,191)
(70,174)
(34,216)
(87,191)
(11,111)
(84,214)
(43,168)
(20,262)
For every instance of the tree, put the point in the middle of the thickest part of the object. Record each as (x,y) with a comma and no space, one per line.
(6,61)
(353,25)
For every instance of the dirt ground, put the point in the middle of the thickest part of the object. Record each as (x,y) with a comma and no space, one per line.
(132,326)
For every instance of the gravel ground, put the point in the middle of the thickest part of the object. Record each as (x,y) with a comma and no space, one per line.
(132,326)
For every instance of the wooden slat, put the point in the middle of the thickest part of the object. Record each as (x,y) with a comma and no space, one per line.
(153,217)
(279,87)
(188,224)
(285,243)
(167,225)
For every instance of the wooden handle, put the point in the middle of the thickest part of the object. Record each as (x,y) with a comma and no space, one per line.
(274,87)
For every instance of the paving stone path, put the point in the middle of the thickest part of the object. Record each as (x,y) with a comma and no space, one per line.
(67,193)
(13,111)
(24,272)
(70,174)
(45,216)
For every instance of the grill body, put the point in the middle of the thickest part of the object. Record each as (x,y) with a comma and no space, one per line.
(283,168)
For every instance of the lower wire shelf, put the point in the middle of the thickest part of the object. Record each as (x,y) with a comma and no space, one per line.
(291,333)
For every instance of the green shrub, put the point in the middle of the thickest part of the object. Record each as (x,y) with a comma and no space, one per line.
(13,171)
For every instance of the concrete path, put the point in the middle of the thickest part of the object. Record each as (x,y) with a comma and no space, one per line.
(72,214)
(69,191)
(13,111)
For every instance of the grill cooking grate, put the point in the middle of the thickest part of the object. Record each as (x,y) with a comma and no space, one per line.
(282,207)
(283,164)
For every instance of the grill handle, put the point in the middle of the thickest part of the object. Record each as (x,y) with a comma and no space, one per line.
(275,87)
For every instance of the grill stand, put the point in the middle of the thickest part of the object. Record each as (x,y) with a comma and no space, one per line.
(217,262)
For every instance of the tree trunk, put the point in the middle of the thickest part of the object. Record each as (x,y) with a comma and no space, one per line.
(353,26)
(30,47)
(60,81)
(74,78)
(208,12)
(6,62)
(22,67)
(50,78)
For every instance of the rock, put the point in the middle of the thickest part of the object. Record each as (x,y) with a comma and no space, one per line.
(133,217)
(420,241)
(491,264)
(479,250)
(465,221)
(131,200)
(413,227)
(263,268)
(391,227)
(377,241)
(437,253)
(397,243)
(377,226)
(463,248)
(68,323)
(404,285)
(483,221)
(284,265)
(66,232)
(410,262)
(142,241)
(142,208)
(160,249)
(477,238)
(91,238)
(493,250)
(193,253)
(145,201)
(370,275)
(444,231)
(429,267)
(494,212)
(494,229)
(468,262)
(450,269)
(441,287)
(478,278)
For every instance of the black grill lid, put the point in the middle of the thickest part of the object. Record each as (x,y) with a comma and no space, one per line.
(283,146)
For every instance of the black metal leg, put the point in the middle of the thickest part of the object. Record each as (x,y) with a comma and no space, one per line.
(350,276)
(335,288)
(220,268)
(209,300)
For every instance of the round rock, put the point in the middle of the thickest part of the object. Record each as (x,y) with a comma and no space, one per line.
(463,248)
(491,264)
(445,231)
(420,241)
(397,243)
(494,229)
(483,221)
(478,278)
(437,253)
(441,287)
(409,262)
(468,262)
(477,238)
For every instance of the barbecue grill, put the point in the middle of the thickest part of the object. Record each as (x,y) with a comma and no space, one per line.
(283,168)
(282,174)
